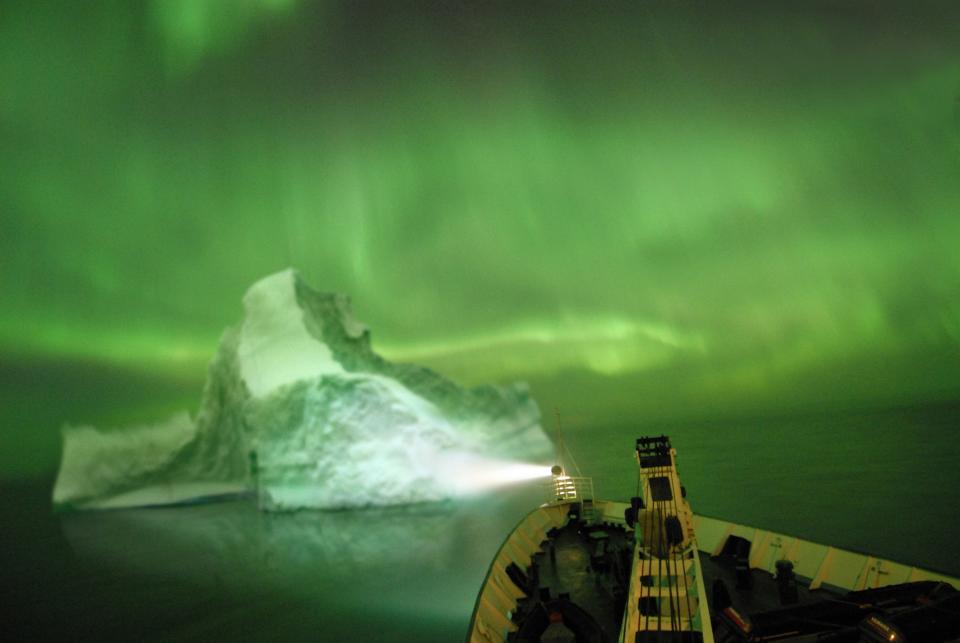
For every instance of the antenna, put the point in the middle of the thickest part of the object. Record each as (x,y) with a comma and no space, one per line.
(562,448)
(556,412)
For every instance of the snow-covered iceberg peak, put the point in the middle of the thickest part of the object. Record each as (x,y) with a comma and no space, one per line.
(274,346)
(299,409)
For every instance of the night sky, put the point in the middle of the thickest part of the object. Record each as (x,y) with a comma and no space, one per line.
(654,211)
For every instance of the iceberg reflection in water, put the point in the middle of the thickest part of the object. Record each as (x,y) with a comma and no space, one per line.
(227,570)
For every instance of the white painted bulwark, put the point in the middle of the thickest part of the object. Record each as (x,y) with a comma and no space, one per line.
(817,563)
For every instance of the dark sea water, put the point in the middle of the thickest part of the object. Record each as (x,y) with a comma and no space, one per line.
(884,482)
(226,571)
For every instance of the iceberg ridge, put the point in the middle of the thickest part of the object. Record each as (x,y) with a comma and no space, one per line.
(300,410)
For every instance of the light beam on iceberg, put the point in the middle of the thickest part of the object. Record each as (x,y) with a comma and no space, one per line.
(301,411)
(467,473)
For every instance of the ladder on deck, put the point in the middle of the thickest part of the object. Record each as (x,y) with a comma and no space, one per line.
(587,510)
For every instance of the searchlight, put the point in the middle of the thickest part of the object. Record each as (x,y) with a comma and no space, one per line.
(564,486)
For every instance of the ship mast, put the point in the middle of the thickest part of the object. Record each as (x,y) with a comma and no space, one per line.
(563,453)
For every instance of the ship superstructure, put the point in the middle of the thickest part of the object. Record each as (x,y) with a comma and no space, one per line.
(666,584)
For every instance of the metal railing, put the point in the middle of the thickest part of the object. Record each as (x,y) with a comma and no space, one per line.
(564,488)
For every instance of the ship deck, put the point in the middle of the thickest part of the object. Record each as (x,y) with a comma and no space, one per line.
(579,565)
(763,594)
(572,565)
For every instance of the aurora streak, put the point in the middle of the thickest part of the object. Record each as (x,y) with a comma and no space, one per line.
(645,212)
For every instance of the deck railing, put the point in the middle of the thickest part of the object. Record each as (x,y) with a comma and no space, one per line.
(564,488)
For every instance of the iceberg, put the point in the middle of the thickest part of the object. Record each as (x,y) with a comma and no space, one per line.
(299,410)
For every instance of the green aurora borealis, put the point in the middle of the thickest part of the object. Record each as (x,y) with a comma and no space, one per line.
(647,211)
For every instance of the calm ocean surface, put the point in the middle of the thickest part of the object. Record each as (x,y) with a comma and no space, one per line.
(884,482)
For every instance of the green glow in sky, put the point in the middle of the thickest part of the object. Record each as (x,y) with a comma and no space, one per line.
(192,30)
(639,210)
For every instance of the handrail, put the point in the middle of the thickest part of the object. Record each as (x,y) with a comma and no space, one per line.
(564,488)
